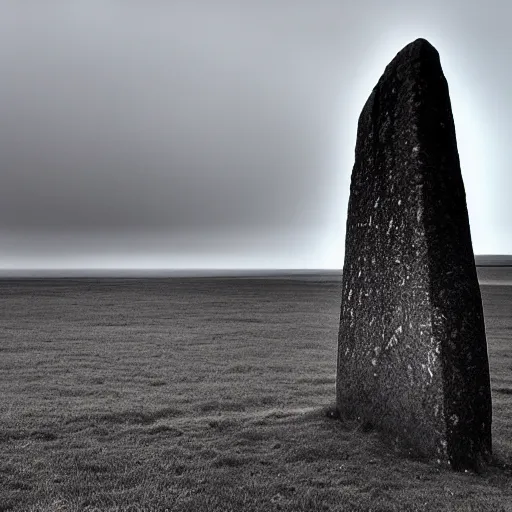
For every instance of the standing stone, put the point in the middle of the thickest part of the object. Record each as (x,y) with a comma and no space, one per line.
(412,353)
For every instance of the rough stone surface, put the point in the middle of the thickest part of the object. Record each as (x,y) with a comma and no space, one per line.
(412,353)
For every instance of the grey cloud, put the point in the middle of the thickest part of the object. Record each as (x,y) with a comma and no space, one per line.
(216,117)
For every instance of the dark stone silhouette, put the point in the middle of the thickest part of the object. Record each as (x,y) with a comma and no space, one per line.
(412,353)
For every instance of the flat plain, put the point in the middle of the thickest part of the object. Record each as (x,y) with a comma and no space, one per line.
(210,395)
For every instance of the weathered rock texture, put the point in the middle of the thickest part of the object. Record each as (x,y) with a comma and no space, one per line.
(412,353)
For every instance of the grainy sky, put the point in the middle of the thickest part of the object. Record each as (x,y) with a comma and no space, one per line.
(179,134)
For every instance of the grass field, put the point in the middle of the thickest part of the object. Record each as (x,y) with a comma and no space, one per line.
(208,395)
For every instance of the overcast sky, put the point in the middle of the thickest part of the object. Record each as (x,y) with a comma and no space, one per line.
(143,134)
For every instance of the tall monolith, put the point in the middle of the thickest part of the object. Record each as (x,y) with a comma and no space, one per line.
(412,352)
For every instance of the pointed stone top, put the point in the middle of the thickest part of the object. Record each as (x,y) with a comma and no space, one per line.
(416,63)
(420,48)
(421,43)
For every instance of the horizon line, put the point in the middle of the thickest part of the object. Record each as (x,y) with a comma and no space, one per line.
(192,271)
(177,272)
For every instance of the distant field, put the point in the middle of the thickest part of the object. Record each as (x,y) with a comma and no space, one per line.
(494,260)
(495,275)
(208,395)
